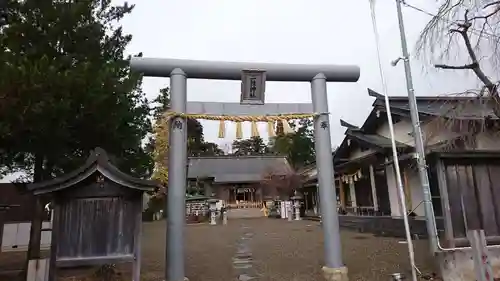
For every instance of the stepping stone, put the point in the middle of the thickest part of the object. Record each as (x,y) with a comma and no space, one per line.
(242,266)
(245,277)
(242,247)
(243,252)
(242,262)
(239,261)
(243,256)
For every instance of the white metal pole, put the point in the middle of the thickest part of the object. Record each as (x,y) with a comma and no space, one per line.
(430,218)
(395,157)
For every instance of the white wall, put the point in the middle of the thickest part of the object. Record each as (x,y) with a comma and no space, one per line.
(16,236)
(357,153)
(486,141)
(402,133)
(392,188)
(417,194)
(402,129)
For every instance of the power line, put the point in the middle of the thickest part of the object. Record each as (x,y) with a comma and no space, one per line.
(473,30)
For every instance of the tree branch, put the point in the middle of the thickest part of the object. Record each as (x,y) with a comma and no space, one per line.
(485,17)
(466,66)
(470,50)
(463,29)
(491,4)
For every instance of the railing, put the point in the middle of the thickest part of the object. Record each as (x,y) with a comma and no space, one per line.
(360,211)
(244,205)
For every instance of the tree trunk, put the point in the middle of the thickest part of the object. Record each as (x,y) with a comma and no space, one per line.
(37,218)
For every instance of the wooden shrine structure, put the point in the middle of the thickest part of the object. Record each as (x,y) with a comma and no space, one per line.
(97,215)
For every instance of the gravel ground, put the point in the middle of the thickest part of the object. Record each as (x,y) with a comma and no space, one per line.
(280,250)
(270,249)
(294,251)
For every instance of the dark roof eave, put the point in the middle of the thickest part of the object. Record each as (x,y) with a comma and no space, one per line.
(201,178)
(399,106)
(359,136)
(238,156)
(348,125)
(235,182)
(355,162)
(404,112)
(205,167)
(97,161)
(466,154)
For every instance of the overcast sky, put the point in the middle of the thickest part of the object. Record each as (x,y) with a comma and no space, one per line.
(287,31)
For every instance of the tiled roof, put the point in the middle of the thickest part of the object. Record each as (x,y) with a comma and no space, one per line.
(459,107)
(374,139)
(229,168)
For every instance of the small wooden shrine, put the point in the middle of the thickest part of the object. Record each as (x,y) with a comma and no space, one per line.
(97,215)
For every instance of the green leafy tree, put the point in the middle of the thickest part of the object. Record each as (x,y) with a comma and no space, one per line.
(298,147)
(66,89)
(251,146)
(196,145)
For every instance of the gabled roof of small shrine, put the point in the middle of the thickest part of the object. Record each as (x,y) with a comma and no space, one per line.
(98,161)
(371,139)
(237,169)
(368,140)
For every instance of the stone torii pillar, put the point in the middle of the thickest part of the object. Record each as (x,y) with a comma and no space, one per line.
(253,76)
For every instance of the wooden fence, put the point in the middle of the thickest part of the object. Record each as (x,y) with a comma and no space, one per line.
(244,205)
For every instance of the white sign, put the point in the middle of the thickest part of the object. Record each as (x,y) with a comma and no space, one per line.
(253,86)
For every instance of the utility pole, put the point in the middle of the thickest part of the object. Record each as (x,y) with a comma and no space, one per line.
(417,135)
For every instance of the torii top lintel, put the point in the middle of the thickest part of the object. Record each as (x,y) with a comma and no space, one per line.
(199,69)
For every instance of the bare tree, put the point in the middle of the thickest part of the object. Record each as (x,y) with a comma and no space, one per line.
(468,27)
(283,185)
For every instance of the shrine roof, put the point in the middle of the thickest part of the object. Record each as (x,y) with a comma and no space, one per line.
(237,169)
(374,139)
(467,107)
(98,161)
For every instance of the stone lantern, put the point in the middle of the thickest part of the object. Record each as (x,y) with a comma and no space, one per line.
(296,200)
(212,206)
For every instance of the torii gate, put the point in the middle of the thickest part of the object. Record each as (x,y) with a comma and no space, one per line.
(253,76)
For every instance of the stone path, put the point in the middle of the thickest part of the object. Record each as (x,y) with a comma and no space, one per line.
(242,261)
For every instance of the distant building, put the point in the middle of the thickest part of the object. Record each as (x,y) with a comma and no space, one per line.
(16,211)
(237,179)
